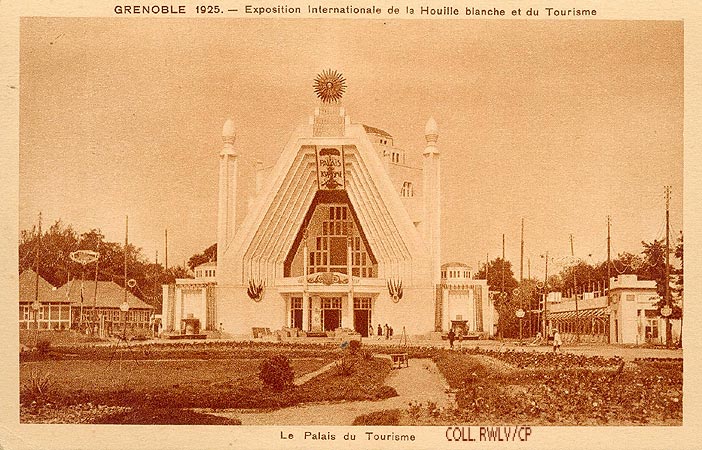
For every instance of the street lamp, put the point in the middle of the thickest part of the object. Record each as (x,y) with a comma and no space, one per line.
(124,307)
(35,307)
(545,287)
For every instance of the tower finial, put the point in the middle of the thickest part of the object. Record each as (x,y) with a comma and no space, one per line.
(330,86)
(228,133)
(431,131)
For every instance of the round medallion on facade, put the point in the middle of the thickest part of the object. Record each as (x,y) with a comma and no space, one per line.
(329,86)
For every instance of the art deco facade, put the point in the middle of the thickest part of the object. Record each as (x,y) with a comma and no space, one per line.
(343,234)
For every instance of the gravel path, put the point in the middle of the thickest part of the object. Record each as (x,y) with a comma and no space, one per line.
(420,382)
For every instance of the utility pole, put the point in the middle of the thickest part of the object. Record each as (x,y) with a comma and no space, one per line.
(521,256)
(36,304)
(126,245)
(521,282)
(502,288)
(503,263)
(543,325)
(609,255)
(166,262)
(487,267)
(575,293)
(667,265)
(97,264)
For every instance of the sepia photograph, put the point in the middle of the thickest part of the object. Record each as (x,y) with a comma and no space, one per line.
(470,224)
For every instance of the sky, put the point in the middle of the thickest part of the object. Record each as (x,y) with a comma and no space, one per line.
(558,123)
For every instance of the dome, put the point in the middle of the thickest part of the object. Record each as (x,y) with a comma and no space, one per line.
(431,129)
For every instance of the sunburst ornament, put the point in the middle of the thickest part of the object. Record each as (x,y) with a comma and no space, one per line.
(329,86)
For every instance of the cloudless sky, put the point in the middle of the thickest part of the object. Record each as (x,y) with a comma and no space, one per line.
(559,123)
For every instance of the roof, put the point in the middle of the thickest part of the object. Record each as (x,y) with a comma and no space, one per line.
(109,295)
(455,264)
(378,131)
(27,288)
(207,264)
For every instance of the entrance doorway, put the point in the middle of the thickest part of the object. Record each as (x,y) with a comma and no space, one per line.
(331,313)
(362,315)
(296,313)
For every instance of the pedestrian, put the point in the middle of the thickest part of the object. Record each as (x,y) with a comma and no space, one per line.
(380,331)
(451,337)
(390,332)
(387,331)
(370,330)
(557,341)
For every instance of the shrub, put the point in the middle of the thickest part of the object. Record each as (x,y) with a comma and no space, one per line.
(384,392)
(345,367)
(385,417)
(43,346)
(354,346)
(415,409)
(37,388)
(366,354)
(276,373)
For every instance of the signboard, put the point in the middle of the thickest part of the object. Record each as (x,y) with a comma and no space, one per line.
(330,168)
(84,256)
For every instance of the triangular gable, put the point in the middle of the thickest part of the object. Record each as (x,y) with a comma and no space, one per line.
(260,246)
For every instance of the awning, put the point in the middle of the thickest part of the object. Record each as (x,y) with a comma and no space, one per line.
(582,314)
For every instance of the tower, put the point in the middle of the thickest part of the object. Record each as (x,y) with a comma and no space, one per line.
(432,199)
(228,172)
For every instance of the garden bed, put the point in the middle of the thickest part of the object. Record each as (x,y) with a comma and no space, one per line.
(215,383)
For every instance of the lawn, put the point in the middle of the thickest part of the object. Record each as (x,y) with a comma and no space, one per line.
(216,383)
(155,389)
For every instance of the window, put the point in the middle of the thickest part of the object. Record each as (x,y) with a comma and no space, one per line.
(407,189)
(630,297)
(331,303)
(296,312)
(330,249)
(652,328)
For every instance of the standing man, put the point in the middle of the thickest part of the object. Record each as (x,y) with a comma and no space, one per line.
(451,337)
(380,331)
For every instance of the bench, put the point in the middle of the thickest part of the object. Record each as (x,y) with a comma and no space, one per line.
(316,334)
(398,359)
(259,332)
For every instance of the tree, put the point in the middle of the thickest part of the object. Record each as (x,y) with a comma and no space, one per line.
(678,288)
(654,269)
(53,248)
(494,275)
(507,324)
(55,245)
(209,254)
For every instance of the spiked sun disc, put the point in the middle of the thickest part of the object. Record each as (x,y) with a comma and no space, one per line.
(329,86)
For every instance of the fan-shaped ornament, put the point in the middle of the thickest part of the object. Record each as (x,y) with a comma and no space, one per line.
(84,256)
(329,86)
